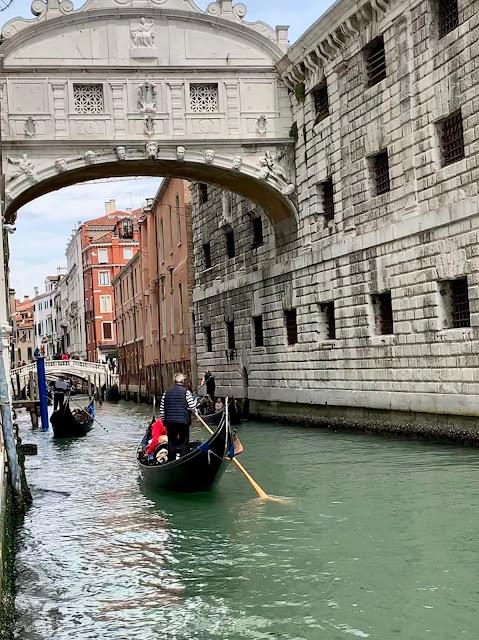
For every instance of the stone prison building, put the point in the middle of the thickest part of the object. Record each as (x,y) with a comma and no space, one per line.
(371,301)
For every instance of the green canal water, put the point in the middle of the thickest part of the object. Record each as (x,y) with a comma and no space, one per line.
(380,540)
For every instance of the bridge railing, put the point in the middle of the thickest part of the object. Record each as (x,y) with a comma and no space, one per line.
(97,367)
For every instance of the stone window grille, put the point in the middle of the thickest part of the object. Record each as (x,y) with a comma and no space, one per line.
(380,164)
(375,58)
(88,98)
(321,101)
(448,16)
(328,200)
(230,334)
(383,313)
(291,326)
(452,138)
(230,243)
(208,339)
(204,98)
(258,331)
(327,309)
(257,225)
(207,254)
(202,193)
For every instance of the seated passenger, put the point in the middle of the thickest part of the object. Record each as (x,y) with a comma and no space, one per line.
(219,406)
(158,436)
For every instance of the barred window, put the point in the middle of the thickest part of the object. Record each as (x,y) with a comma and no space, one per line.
(321,101)
(329,320)
(257,225)
(88,98)
(328,200)
(208,338)
(380,163)
(455,299)
(258,331)
(202,192)
(448,16)
(204,98)
(207,254)
(291,326)
(230,243)
(452,138)
(230,334)
(375,58)
(383,313)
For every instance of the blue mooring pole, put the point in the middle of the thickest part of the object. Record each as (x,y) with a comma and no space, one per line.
(42,390)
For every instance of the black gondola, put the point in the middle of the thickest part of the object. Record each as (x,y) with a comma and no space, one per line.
(199,470)
(72,425)
(213,419)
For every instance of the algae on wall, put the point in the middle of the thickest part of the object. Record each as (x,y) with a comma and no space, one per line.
(7,592)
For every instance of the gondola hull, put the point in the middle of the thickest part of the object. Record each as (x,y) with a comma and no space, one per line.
(196,472)
(66,426)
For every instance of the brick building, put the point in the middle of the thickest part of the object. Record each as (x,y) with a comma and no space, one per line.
(23,336)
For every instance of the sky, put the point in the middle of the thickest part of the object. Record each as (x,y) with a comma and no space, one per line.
(37,248)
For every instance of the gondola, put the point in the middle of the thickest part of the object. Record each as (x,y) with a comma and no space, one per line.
(213,419)
(72,425)
(196,472)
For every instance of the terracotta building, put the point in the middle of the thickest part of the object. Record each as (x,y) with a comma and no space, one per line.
(109,242)
(23,329)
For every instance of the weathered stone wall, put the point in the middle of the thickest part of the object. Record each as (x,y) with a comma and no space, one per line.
(409,241)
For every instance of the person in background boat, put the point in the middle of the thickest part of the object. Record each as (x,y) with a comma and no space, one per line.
(205,406)
(59,390)
(177,404)
(209,381)
(219,406)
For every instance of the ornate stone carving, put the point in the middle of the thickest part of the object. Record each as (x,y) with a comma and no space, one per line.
(147,98)
(9,196)
(180,153)
(237,162)
(261,124)
(209,156)
(25,166)
(288,190)
(149,126)
(272,167)
(90,157)
(143,35)
(30,127)
(151,150)
(120,153)
(61,165)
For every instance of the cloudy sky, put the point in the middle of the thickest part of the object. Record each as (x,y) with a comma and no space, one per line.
(37,248)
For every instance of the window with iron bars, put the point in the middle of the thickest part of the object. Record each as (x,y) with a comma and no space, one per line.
(328,199)
(230,243)
(380,165)
(327,309)
(230,335)
(452,138)
(258,331)
(207,254)
(321,101)
(208,338)
(291,326)
(202,193)
(375,58)
(257,225)
(383,313)
(448,16)
(455,300)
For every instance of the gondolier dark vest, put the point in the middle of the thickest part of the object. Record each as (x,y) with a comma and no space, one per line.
(176,407)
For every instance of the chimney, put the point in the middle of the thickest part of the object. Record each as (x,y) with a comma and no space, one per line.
(128,210)
(35,291)
(110,206)
(26,298)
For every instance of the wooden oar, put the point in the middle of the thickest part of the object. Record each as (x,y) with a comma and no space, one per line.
(262,494)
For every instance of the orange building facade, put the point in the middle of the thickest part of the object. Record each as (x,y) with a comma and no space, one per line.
(109,243)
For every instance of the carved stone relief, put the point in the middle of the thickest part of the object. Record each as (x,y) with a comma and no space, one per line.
(237,162)
(261,124)
(23,165)
(180,153)
(209,156)
(147,98)
(90,157)
(143,35)
(151,150)
(61,165)
(149,126)
(30,127)
(120,153)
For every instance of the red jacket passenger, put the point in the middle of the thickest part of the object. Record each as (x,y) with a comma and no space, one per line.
(158,429)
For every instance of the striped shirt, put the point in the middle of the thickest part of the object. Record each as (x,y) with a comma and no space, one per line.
(190,401)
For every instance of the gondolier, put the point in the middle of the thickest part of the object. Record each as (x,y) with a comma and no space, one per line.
(176,406)
(60,388)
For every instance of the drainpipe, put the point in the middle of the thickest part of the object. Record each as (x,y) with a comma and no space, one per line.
(155,217)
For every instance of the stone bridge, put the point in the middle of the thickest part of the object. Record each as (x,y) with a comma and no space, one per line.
(97,373)
(149,88)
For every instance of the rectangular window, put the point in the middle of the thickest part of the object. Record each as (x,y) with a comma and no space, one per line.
(178,220)
(257,225)
(163,308)
(383,313)
(202,193)
(452,138)
(105,304)
(107,330)
(380,166)
(103,278)
(230,243)
(258,331)
(172,312)
(375,58)
(102,256)
(328,199)
(88,98)
(208,338)
(170,224)
(127,253)
(230,334)
(204,98)
(162,242)
(207,255)
(329,320)
(180,305)
(448,16)
(321,101)
(455,299)
(291,326)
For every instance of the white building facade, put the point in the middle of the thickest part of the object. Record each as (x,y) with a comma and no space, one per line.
(44,313)
(75,308)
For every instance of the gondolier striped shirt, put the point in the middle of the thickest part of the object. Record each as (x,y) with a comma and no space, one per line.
(190,401)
